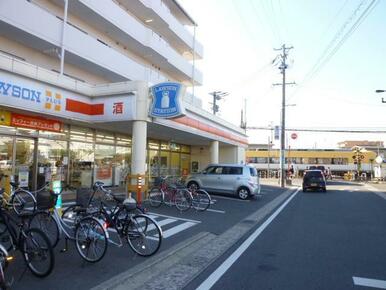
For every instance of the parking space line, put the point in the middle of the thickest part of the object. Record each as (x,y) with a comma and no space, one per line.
(173,217)
(216,210)
(380,284)
(230,198)
(177,229)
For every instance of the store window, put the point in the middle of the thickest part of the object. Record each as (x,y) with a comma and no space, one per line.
(81,164)
(24,161)
(185,164)
(6,149)
(164,163)
(185,149)
(81,134)
(122,165)
(123,141)
(103,169)
(52,161)
(175,164)
(104,137)
(154,163)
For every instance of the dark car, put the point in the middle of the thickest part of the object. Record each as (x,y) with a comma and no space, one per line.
(314,179)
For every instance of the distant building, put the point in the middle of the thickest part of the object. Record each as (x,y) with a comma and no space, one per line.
(364,143)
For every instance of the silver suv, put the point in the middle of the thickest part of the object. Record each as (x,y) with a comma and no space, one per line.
(227,178)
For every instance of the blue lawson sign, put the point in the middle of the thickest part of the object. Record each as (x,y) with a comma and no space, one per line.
(166,100)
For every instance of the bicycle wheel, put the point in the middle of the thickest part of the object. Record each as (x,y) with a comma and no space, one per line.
(5,237)
(37,252)
(143,235)
(47,223)
(201,200)
(183,199)
(155,197)
(91,239)
(23,202)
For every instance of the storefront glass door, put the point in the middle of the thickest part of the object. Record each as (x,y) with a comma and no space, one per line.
(52,161)
(6,151)
(82,164)
(103,170)
(24,162)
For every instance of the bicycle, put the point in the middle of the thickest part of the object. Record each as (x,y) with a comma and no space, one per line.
(141,232)
(201,199)
(5,258)
(34,245)
(169,194)
(90,237)
(20,200)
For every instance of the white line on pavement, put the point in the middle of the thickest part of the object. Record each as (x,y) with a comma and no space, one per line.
(376,191)
(232,198)
(216,210)
(173,217)
(177,229)
(217,274)
(380,284)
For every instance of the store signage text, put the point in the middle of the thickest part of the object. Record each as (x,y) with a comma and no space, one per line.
(18,120)
(8,89)
(166,100)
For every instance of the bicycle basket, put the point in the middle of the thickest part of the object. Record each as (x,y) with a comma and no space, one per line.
(83,197)
(45,200)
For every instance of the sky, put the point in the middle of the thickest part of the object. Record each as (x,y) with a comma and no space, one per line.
(239,37)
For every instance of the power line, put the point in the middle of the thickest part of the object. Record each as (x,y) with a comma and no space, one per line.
(335,44)
(353,28)
(321,130)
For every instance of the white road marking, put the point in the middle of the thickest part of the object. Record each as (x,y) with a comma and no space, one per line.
(216,210)
(174,230)
(376,191)
(173,217)
(380,284)
(217,274)
(233,198)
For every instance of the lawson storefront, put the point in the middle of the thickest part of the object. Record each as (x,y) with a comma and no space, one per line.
(56,129)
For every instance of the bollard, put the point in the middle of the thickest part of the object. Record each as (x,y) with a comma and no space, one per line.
(139,189)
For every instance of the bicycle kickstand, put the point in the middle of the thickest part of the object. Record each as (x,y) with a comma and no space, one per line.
(65,246)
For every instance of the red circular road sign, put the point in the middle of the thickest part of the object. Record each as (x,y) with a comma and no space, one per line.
(294,136)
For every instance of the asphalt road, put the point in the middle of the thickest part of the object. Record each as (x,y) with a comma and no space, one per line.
(72,273)
(318,241)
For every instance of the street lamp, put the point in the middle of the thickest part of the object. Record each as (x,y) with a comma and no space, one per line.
(381,91)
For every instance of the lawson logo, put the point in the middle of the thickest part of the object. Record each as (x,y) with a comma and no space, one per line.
(9,89)
(166,100)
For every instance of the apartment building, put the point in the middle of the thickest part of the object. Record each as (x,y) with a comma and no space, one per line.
(96,90)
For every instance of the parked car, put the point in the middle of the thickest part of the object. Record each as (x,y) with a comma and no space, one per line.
(242,180)
(314,179)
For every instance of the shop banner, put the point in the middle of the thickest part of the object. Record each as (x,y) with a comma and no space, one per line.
(18,120)
(26,94)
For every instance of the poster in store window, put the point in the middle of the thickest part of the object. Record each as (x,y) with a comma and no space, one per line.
(23,178)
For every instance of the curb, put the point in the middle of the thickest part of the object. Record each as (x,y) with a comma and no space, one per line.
(178,266)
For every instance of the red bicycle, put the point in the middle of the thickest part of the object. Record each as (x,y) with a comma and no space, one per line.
(170,194)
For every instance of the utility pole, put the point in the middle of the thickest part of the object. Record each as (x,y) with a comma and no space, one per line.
(283,66)
(217,96)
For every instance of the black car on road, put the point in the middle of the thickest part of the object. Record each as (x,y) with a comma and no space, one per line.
(314,179)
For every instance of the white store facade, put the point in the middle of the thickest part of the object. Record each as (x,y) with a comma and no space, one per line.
(89,119)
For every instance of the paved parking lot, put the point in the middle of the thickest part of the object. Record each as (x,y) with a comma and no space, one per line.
(72,273)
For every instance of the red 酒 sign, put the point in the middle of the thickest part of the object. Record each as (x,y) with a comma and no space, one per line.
(18,120)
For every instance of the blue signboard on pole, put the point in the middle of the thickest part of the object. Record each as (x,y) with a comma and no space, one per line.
(166,100)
